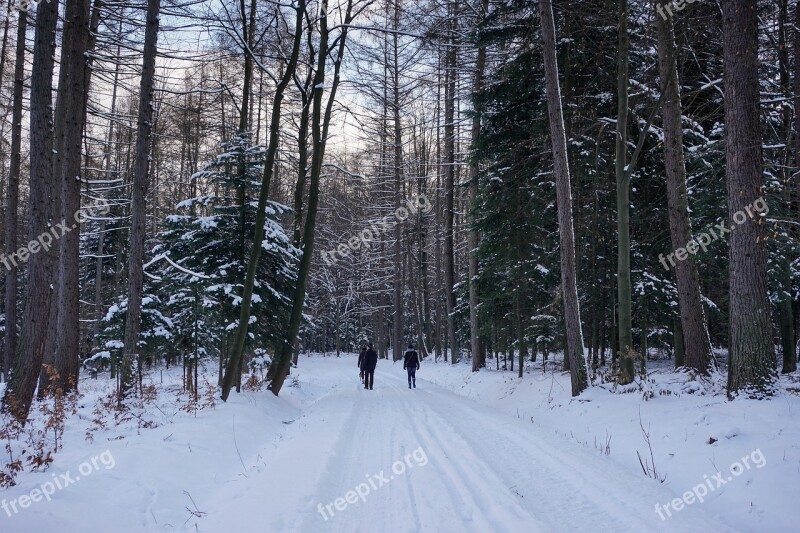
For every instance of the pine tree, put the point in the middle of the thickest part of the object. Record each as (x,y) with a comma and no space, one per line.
(208,244)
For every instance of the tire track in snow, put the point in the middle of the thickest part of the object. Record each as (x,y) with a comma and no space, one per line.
(503,514)
(341,454)
(295,463)
(486,471)
(590,484)
(357,446)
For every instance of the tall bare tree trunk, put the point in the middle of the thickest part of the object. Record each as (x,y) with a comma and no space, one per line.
(789,310)
(450,173)
(751,366)
(397,281)
(785,303)
(60,120)
(4,46)
(75,83)
(133,319)
(473,237)
(248,33)
(697,344)
(41,189)
(624,295)
(12,196)
(114,363)
(98,283)
(569,285)
(437,240)
(302,152)
(796,304)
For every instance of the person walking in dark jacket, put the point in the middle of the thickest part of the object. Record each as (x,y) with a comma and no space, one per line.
(368,366)
(361,362)
(411,364)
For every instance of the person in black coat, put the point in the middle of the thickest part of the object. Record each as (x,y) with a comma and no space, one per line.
(368,367)
(361,362)
(411,364)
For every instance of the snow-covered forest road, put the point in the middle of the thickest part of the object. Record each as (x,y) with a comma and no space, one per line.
(429,460)
(329,456)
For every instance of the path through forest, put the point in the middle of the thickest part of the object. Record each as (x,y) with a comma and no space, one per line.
(429,460)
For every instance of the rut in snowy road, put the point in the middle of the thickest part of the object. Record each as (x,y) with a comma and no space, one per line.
(394,459)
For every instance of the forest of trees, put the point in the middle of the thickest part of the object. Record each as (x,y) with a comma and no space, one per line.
(221,183)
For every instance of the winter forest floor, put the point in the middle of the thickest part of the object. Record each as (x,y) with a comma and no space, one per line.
(463,452)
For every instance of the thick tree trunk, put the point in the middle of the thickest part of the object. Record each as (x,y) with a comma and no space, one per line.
(133,319)
(60,120)
(75,83)
(695,333)
(569,285)
(12,197)
(41,190)
(752,354)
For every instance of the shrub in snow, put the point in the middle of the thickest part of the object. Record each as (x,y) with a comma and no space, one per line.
(155,336)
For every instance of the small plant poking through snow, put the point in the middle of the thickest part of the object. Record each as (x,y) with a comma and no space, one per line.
(196,402)
(10,431)
(34,443)
(604,447)
(253,383)
(648,466)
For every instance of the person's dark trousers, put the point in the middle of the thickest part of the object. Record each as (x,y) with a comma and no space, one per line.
(412,376)
(369,378)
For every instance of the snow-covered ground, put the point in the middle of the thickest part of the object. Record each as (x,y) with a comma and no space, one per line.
(694,432)
(462,452)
